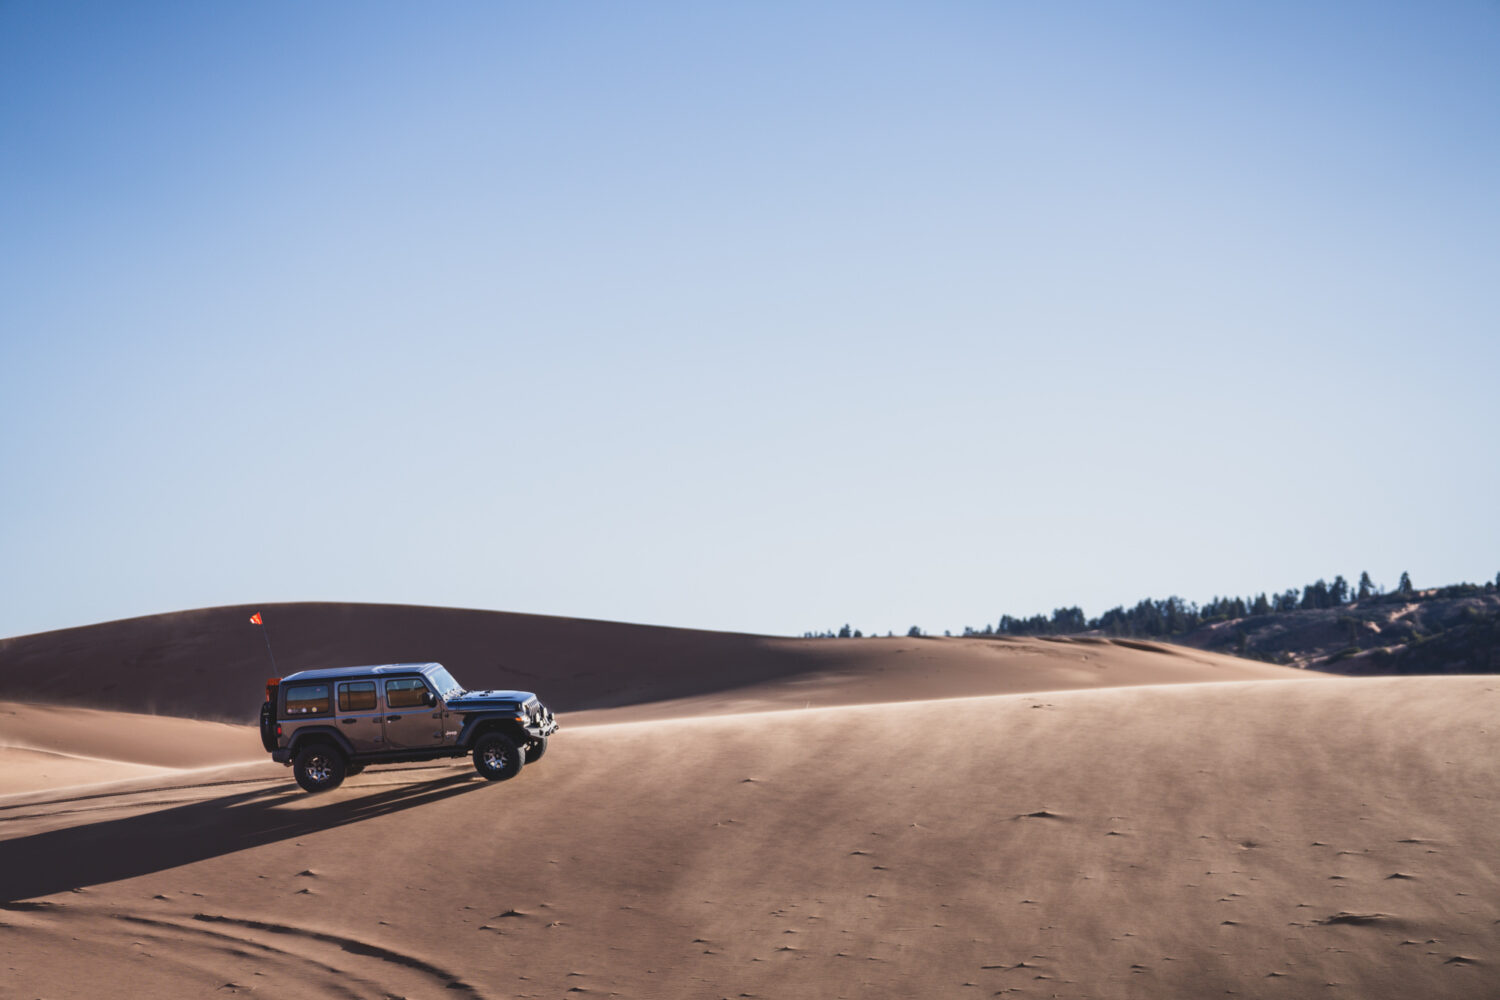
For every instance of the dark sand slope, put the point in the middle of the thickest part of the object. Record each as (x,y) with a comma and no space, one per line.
(1318,838)
(212,663)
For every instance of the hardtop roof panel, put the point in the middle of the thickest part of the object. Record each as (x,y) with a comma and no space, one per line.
(333,673)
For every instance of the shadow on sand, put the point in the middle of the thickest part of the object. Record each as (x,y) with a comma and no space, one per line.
(110,850)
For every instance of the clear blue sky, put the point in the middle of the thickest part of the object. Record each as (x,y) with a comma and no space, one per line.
(764,316)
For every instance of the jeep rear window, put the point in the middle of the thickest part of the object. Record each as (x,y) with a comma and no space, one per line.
(357,696)
(307,699)
(404,694)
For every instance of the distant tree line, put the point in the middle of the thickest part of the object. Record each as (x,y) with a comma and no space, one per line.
(853,633)
(1175,616)
(1472,647)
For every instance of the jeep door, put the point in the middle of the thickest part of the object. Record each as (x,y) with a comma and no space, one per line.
(360,717)
(410,722)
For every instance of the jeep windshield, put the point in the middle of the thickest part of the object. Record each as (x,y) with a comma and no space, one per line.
(446,686)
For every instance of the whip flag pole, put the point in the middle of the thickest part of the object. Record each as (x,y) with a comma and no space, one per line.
(255,619)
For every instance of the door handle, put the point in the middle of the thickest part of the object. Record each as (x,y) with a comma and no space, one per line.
(393,718)
(348,722)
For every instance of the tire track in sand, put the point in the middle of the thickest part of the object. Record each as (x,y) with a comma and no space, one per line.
(353,946)
(300,952)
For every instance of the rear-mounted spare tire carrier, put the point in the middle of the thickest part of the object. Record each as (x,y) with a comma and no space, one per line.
(268,734)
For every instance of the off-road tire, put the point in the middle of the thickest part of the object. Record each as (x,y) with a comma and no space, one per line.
(320,767)
(497,758)
(535,749)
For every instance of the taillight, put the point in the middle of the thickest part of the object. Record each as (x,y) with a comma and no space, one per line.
(278,729)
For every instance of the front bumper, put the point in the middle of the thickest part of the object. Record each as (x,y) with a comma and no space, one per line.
(542,725)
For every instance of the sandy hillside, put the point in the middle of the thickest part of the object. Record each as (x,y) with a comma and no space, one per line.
(211,663)
(1287,836)
(50,747)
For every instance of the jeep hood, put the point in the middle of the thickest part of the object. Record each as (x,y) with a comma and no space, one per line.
(477,699)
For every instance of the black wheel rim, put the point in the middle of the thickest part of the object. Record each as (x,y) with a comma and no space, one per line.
(319,769)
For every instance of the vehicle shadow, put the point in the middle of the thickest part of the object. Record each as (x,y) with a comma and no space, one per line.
(109,850)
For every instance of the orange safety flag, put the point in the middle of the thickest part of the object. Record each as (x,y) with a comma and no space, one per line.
(255,619)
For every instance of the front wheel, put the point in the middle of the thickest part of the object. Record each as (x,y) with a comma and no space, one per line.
(535,749)
(319,768)
(497,757)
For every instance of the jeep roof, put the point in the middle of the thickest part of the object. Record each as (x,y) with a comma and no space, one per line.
(329,673)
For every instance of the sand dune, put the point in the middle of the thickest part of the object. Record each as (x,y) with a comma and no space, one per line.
(1260,837)
(23,769)
(48,746)
(212,663)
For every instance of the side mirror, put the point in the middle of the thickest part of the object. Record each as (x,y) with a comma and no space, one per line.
(429,699)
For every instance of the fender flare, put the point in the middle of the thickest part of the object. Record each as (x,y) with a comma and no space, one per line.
(505,721)
(324,734)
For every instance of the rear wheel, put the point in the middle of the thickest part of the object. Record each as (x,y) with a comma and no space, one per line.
(320,767)
(497,757)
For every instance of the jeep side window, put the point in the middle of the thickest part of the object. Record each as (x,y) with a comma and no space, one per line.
(407,693)
(307,699)
(357,696)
